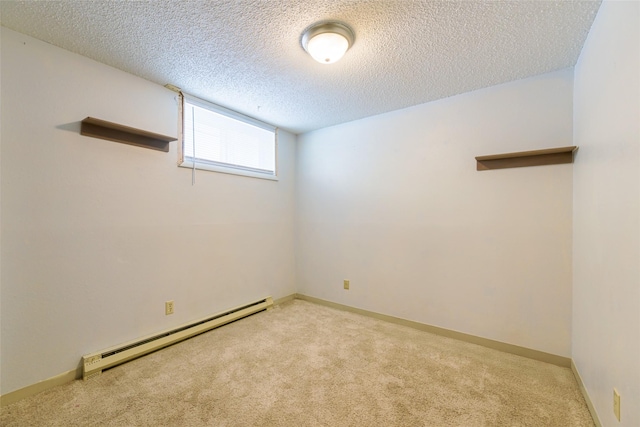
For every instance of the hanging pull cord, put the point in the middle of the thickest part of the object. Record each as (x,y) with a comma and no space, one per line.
(193,141)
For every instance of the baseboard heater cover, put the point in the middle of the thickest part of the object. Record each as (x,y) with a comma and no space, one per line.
(95,363)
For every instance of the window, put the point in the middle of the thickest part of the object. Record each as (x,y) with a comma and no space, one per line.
(221,140)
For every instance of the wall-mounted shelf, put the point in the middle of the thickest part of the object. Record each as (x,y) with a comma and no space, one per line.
(551,156)
(127,135)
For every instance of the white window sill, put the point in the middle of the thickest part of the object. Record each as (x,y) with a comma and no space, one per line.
(200,166)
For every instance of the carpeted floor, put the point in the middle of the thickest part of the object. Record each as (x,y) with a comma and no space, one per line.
(302,364)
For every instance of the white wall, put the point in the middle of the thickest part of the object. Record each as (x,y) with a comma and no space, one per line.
(606,289)
(97,235)
(394,204)
(0,215)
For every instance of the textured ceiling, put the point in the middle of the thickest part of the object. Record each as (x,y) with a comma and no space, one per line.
(246,54)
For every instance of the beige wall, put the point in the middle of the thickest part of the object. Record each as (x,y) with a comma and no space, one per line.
(606,289)
(97,235)
(0,215)
(394,204)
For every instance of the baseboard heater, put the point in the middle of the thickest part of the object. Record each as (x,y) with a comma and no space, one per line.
(95,363)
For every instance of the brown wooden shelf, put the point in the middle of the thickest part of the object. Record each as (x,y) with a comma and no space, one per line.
(550,156)
(127,135)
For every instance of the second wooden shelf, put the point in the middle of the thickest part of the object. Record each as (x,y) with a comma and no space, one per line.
(550,156)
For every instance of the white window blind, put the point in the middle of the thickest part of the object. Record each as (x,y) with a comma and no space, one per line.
(215,138)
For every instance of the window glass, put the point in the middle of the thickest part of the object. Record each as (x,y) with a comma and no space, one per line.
(222,140)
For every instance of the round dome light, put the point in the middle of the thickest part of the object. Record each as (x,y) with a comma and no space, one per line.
(327,43)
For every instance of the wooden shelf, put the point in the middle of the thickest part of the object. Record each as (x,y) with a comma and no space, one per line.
(550,156)
(127,135)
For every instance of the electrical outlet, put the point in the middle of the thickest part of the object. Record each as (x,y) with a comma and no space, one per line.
(168,307)
(346,284)
(616,404)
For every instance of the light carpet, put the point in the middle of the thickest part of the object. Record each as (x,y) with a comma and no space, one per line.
(303,364)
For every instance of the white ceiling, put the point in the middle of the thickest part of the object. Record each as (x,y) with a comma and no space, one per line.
(246,54)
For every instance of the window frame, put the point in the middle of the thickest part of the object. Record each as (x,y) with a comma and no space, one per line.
(185,162)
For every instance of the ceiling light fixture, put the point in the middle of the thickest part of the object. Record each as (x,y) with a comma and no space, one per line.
(327,42)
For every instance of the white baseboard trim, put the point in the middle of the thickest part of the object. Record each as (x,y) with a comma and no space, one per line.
(30,390)
(583,390)
(541,356)
(282,300)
